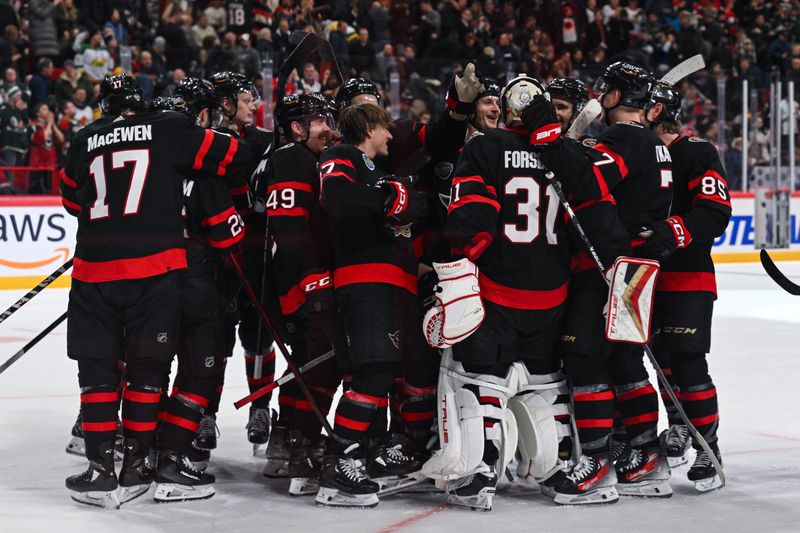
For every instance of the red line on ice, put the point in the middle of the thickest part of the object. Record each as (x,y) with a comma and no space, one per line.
(413,519)
(779,437)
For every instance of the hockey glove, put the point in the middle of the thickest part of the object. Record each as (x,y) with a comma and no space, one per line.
(540,119)
(319,296)
(663,238)
(403,204)
(463,91)
(458,310)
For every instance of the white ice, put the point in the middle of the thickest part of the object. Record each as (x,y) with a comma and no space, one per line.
(755,362)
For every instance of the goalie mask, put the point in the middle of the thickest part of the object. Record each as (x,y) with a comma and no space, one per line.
(516,96)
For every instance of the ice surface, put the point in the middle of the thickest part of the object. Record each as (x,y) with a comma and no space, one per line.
(755,363)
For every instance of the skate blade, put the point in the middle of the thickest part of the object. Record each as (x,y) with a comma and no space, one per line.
(479,502)
(173,492)
(276,468)
(76,446)
(604,495)
(106,500)
(335,498)
(708,484)
(655,488)
(678,461)
(396,485)
(127,494)
(303,486)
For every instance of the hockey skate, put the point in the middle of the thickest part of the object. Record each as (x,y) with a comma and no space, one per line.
(475,491)
(548,486)
(76,446)
(703,473)
(644,472)
(177,481)
(207,433)
(258,428)
(618,450)
(392,469)
(277,465)
(343,484)
(591,481)
(676,443)
(304,466)
(136,475)
(198,457)
(98,484)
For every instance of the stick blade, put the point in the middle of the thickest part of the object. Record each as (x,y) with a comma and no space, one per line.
(777,276)
(684,69)
(590,111)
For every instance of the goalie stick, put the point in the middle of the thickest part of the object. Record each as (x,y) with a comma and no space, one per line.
(266,389)
(36,290)
(25,349)
(777,276)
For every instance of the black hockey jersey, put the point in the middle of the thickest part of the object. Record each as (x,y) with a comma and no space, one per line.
(701,199)
(123,180)
(505,217)
(301,257)
(414,143)
(366,247)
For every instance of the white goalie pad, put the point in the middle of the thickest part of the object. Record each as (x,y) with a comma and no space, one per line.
(540,433)
(630,300)
(461,429)
(458,310)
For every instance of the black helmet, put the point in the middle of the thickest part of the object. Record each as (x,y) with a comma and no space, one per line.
(118,93)
(667,95)
(570,89)
(170,103)
(490,88)
(304,107)
(635,84)
(354,87)
(197,94)
(229,85)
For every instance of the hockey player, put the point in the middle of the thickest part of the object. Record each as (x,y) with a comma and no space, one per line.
(631,165)
(124,301)
(569,96)
(504,224)
(686,289)
(237,101)
(302,269)
(375,278)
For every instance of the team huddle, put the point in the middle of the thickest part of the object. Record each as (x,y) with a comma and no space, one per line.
(452,277)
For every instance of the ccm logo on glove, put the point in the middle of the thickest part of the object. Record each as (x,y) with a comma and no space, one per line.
(682,236)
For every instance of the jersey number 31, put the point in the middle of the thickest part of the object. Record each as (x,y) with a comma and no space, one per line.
(533,207)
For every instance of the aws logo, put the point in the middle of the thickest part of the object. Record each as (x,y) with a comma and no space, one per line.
(28,227)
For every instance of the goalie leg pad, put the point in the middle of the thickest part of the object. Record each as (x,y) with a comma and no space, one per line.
(630,300)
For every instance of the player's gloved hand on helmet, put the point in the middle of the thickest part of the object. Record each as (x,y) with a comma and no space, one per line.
(659,240)
(463,91)
(540,119)
(403,204)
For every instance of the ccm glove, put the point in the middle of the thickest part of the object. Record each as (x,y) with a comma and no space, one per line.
(463,91)
(663,238)
(540,119)
(403,204)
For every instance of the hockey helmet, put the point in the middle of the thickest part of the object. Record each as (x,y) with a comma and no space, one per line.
(669,96)
(170,103)
(634,83)
(228,85)
(570,89)
(354,87)
(197,94)
(303,108)
(518,95)
(118,93)
(491,88)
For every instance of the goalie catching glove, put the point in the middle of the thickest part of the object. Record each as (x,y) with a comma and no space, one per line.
(458,310)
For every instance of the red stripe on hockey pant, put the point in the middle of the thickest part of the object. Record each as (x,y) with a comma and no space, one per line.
(593,396)
(348,423)
(99,397)
(366,399)
(490,400)
(522,298)
(232,147)
(141,397)
(266,380)
(416,417)
(194,398)
(635,393)
(694,396)
(641,419)
(375,273)
(135,268)
(704,420)
(594,423)
(133,425)
(203,151)
(99,426)
(179,421)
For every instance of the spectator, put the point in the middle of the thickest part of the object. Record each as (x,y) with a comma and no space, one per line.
(264,43)
(362,55)
(84,113)
(203,29)
(379,17)
(41,84)
(339,44)
(690,41)
(15,48)
(9,82)
(431,19)
(216,14)
(46,140)
(221,58)
(68,123)
(309,83)
(385,62)
(16,132)
(95,58)
(247,59)
(174,80)
(42,27)
(68,81)
(8,15)
(779,50)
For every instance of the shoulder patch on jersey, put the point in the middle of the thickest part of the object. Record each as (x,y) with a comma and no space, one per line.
(697,140)
(475,133)
(631,123)
(367,161)
(589,142)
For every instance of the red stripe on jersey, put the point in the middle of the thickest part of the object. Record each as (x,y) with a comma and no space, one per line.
(600,396)
(623,168)
(194,398)
(522,298)
(711,197)
(466,179)
(141,396)
(601,181)
(203,151)
(332,174)
(134,268)
(635,393)
(695,396)
(299,185)
(422,134)
(594,423)
(695,182)
(641,419)
(472,199)
(375,273)
(232,147)
(99,426)
(687,282)
(291,212)
(608,198)
(344,162)
(241,189)
(286,401)
(99,397)
(179,421)
(340,420)
(221,217)
(366,398)
(133,425)
(226,243)
(704,420)
(71,205)
(67,180)
(303,405)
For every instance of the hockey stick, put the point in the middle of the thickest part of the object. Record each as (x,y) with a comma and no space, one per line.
(590,111)
(683,69)
(25,349)
(777,276)
(36,290)
(266,389)
(301,382)
(698,438)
